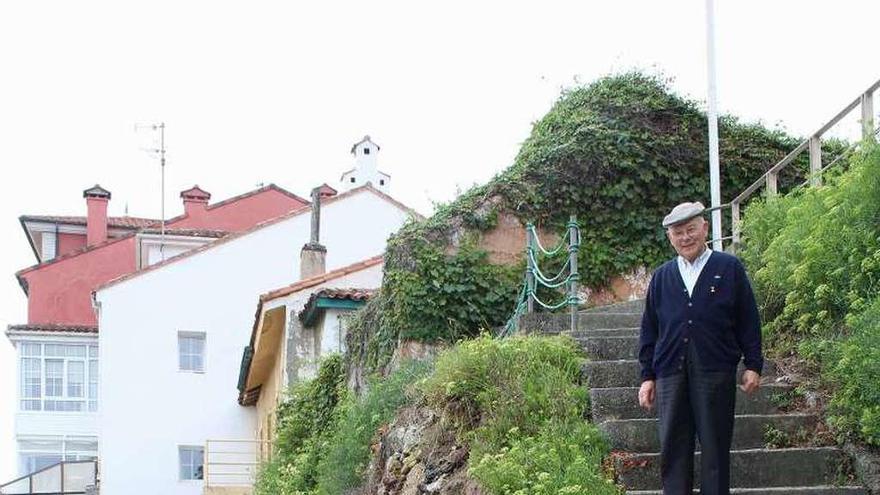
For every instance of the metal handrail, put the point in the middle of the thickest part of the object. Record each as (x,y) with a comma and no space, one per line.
(62,479)
(226,469)
(814,145)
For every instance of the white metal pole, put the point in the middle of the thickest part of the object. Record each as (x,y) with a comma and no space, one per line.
(162,164)
(714,166)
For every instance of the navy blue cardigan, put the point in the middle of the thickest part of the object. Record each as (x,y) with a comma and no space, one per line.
(721,317)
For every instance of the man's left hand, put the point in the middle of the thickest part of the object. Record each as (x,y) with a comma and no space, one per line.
(751,382)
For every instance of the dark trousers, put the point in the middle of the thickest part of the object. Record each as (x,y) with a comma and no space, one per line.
(699,402)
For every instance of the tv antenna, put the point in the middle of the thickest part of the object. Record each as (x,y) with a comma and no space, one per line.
(160,153)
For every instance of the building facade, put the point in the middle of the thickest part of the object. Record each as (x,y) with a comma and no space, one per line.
(57,402)
(172,336)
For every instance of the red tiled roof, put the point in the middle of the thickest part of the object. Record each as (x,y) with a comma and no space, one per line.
(249,397)
(47,327)
(262,225)
(188,232)
(112,222)
(320,279)
(349,294)
(135,224)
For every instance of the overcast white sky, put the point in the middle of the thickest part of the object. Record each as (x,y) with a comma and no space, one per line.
(259,92)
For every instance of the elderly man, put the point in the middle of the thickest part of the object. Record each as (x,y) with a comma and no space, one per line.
(700,318)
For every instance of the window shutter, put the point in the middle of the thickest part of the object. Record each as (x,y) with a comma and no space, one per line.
(49,245)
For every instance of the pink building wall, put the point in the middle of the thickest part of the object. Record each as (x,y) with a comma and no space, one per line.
(59,292)
(243,213)
(68,243)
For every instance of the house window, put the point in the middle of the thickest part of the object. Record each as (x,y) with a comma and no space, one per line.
(191,351)
(53,377)
(191,462)
(38,452)
(352,180)
(381,182)
(366,151)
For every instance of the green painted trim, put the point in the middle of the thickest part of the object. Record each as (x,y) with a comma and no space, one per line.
(246,358)
(312,311)
(328,303)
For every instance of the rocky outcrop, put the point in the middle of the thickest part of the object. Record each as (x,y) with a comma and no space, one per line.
(418,454)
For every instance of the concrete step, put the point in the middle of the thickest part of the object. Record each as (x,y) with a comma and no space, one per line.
(637,306)
(641,435)
(553,323)
(592,321)
(623,402)
(779,490)
(626,373)
(754,468)
(603,332)
(610,347)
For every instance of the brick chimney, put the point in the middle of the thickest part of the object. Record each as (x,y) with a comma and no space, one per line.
(326,191)
(96,220)
(313,257)
(195,201)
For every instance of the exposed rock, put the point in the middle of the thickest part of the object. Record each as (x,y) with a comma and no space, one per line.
(418,454)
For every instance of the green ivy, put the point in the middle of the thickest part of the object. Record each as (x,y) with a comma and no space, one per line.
(305,419)
(443,297)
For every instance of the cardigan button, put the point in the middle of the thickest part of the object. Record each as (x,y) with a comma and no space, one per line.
(690,304)
(690,322)
(685,341)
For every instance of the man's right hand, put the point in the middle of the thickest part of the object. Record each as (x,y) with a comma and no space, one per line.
(646,395)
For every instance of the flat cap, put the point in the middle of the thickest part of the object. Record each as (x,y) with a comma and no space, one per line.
(683,212)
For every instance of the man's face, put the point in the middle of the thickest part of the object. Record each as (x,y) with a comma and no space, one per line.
(689,238)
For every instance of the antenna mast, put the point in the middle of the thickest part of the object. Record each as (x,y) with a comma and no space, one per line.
(161,152)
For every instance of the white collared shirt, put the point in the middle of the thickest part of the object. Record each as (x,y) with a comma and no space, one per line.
(690,272)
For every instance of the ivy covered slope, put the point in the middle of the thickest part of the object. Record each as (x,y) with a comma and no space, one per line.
(618,153)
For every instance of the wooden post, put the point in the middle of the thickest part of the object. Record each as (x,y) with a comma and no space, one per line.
(868,116)
(530,274)
(772,179)
(205,462)
(573,242)
(815,161)
(734,227)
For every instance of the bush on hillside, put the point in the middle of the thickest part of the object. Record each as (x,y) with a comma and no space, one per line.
(347,450)
(814,256)
(855,372)
(324,433)
(520,407)
(305,419)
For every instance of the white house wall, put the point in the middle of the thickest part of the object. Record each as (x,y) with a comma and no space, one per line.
(148,407)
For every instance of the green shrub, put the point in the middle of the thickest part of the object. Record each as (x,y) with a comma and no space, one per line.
(855,371)
(347,450)
(815,260)
(304,419)
(520,407)
(824,260)
(559,459)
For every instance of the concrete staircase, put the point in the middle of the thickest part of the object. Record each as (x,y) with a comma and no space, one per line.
(609,336)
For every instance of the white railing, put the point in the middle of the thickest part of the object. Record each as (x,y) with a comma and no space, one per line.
(812,145)
(234,462)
